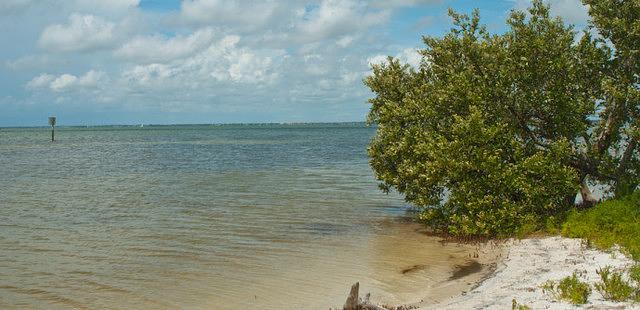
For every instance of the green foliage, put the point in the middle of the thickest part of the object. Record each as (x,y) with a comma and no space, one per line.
(612,286)
(493,134)
(634,274)
(516,306)
(570,289)
(618,128)
(615,221)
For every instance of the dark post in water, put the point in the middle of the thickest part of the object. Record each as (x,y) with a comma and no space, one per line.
(52,123)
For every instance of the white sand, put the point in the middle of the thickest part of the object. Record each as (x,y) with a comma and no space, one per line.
(531,262)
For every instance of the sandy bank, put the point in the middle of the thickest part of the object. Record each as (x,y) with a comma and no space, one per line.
(526,265)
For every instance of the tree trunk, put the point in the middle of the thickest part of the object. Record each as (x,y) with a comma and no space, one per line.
(623,183)
(588,199)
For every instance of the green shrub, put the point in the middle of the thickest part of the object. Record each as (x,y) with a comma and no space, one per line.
(634,273)
(570,289)
(615,221)
(516,306)
(612,286)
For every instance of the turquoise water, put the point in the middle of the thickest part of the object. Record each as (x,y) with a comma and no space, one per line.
(193,217)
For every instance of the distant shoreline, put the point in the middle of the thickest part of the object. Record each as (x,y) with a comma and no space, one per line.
(361,123)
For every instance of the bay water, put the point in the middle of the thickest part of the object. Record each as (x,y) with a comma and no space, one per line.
(277,216)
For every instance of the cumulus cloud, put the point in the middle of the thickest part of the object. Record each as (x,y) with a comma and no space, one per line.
(222,61)
(146,74)
(65,82)
(286,21)
(209,55)
(344,41)
(377,60)
(339,17)
(409,56)
(91,79)
(81,33)
(572,11)
(314,64)
(43,80)
(246,66)
(157,48)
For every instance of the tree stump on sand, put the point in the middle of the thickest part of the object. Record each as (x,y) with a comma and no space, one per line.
(354,303)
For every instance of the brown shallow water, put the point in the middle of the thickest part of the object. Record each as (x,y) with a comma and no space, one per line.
(379,262)
(205,217)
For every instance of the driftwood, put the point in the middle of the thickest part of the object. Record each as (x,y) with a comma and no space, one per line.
(355,303)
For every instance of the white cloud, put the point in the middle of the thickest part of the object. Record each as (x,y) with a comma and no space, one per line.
(222,61)
(226,61)
(83,32)
(377,60)
(156,48)
(314,65)
(344,41)
(351,77)
(43,80)
(409,56)
(248,67)
(65,82)
(91,79)
(572,11)
(146,74)
(212,55)
(337,18)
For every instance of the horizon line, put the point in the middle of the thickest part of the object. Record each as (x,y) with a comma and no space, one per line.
(187,124)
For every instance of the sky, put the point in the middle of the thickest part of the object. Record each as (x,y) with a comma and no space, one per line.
(97,62)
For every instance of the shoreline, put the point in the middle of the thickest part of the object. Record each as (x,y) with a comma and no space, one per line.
(516,269)
(527,264)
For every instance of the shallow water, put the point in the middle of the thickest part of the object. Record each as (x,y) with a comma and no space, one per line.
(203,217)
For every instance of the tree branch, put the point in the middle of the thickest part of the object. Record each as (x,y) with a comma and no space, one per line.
(626,156)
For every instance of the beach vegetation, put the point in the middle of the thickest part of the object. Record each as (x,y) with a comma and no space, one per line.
(570,289)
(494,134)
(612,222)
(634,274)
(612,286)
(517,306)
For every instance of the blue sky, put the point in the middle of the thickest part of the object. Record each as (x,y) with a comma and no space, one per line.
(93,62)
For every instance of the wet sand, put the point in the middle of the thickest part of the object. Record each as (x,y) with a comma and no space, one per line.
(431,270)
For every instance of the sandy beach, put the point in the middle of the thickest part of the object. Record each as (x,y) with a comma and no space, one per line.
(500,272)
(527,264)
